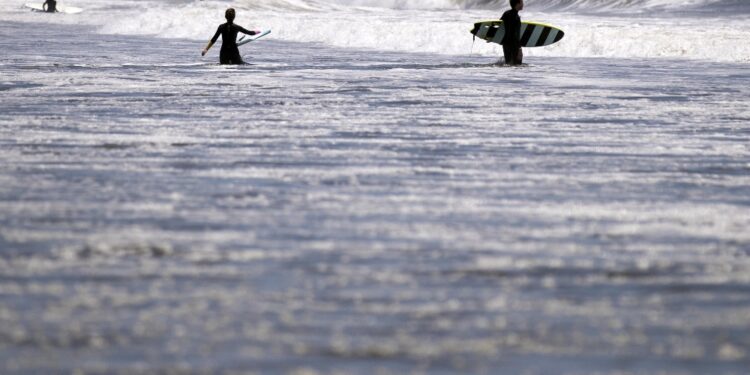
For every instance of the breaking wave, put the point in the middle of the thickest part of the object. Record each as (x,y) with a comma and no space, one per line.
(705,6)
(594,28)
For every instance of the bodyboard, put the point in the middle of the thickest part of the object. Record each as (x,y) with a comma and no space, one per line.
(245,40)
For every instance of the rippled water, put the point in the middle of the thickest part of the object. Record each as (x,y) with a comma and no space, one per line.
(345,210)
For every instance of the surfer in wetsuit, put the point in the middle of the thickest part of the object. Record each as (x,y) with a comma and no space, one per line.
(229,54)
(50,6)
(512,40)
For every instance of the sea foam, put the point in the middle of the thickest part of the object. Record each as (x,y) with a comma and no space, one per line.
(713,30)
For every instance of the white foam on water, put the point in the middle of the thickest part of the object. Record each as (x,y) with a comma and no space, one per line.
(439,26)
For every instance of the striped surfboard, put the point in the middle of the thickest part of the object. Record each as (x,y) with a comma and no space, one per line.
(533,34)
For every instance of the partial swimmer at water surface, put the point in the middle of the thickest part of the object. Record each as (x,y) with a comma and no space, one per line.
(50,6)
(229,54)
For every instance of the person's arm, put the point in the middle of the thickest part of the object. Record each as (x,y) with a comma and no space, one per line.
(44,6)
(506,25)
(515,26)
(254,32)
(519,56)
(212,41)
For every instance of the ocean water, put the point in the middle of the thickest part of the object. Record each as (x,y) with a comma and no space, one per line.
(372,193)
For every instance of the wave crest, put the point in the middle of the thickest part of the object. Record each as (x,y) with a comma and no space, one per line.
(718,6)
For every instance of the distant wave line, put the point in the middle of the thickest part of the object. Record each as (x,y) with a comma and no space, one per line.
(717,6)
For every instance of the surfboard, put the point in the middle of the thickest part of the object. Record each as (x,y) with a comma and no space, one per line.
(533,34)
(38,7)
(245,40)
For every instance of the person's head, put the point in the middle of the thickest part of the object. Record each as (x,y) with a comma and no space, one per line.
(229,15)
(516,4)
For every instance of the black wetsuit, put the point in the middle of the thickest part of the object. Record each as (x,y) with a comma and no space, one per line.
(51,5)
(512,38)
(229,54)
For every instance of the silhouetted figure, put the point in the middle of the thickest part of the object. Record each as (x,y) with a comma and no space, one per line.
(512,39)
(229,54)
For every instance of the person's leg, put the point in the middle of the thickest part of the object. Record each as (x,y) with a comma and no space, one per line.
(223,58)
(508,54)
(230,57)
(236,57)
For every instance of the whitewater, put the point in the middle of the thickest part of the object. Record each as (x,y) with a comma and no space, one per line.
(715,30)
(373,193)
